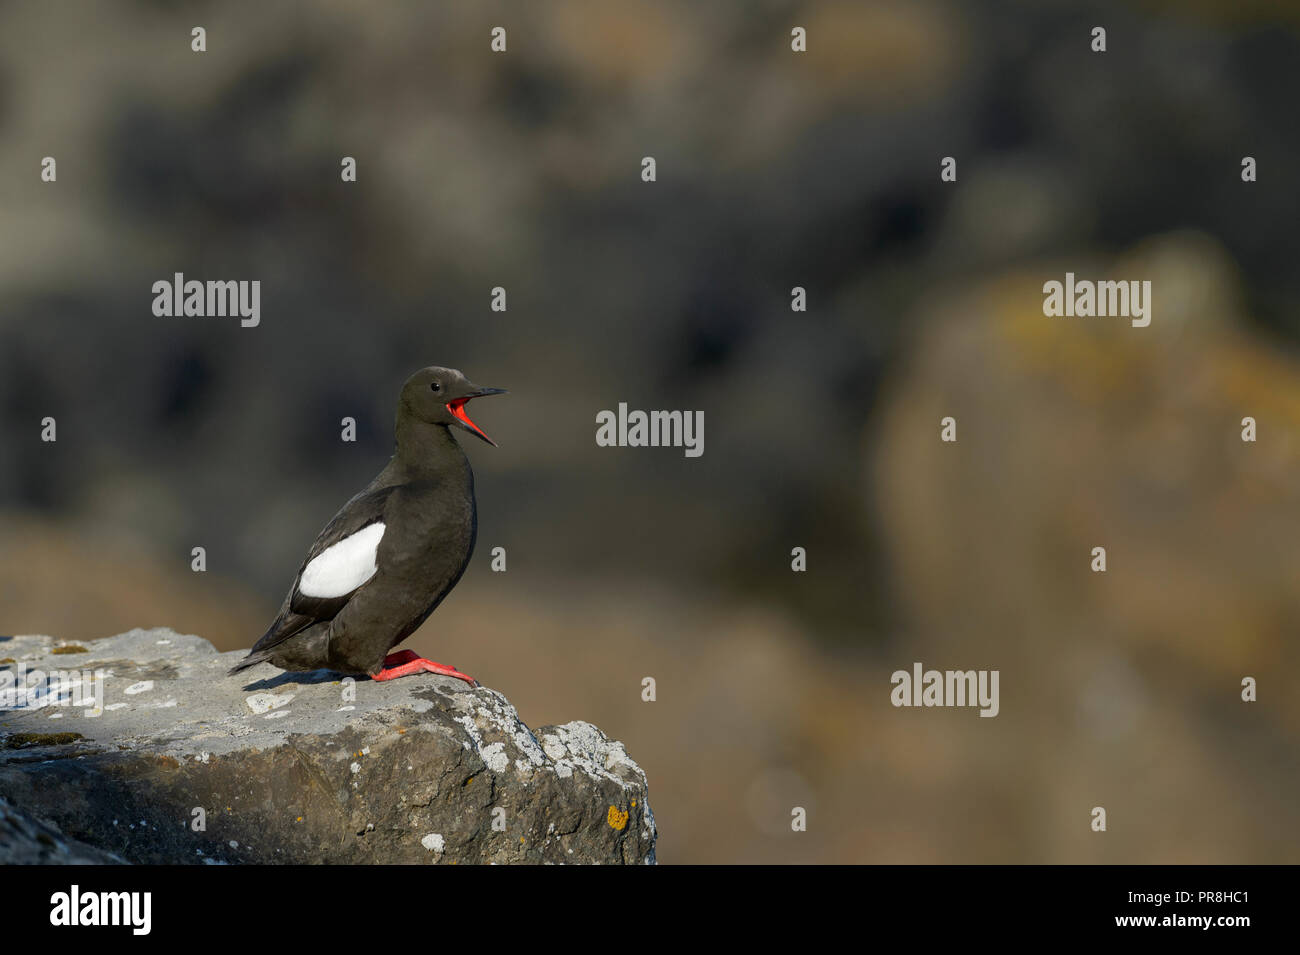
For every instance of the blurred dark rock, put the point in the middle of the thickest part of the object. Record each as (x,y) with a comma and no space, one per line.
(26,840)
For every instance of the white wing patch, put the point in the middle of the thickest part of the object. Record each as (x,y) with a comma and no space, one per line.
(343,567)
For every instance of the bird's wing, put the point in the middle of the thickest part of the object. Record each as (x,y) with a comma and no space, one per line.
(339,563)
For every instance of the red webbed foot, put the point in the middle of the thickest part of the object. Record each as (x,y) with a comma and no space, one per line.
(406,662)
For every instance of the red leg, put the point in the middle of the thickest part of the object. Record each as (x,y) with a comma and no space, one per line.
(406,662)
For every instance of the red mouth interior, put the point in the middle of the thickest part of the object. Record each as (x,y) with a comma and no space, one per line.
(457,408)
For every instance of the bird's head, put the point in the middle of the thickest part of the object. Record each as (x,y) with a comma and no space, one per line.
(439,395)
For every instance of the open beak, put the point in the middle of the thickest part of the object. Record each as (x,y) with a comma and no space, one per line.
(457,408)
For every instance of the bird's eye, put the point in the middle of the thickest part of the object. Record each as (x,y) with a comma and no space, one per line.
(435,386)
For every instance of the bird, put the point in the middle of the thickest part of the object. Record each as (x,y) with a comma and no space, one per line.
(393,552)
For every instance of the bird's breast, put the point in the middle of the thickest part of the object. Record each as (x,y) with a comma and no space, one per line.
(431,536)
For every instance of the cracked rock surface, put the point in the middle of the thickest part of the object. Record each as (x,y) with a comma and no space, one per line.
(174,761)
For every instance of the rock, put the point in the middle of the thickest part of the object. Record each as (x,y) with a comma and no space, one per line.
(1078,433)
(1075,434)
(26,840)
(173,761)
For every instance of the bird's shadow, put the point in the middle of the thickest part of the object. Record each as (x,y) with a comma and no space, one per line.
(300,677)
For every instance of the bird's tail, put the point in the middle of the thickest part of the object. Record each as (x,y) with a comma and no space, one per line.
(252,660)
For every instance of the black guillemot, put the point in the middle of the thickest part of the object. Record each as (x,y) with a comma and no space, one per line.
(392,553)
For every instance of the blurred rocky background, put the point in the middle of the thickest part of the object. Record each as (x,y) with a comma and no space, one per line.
(821,169)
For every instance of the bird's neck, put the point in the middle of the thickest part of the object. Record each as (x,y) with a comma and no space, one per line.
(426,450)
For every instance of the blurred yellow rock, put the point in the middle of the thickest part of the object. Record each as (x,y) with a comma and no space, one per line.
(1077,433)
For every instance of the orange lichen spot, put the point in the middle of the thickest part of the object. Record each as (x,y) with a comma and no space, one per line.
(617,820)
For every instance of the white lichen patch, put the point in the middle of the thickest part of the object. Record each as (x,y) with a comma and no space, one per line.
(527,744)
(471,730)
(433,842)
(495,758)
(265,702)
(592,752)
